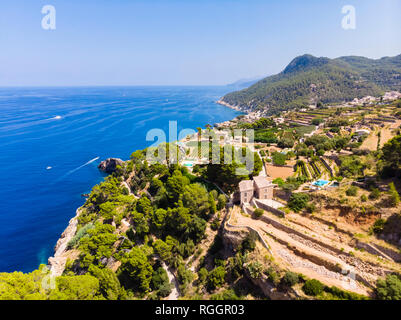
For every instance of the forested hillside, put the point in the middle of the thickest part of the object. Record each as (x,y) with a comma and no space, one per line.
(308,79)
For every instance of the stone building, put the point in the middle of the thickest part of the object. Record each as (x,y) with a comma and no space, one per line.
(260,187)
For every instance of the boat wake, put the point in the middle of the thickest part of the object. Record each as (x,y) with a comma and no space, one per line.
(76,169)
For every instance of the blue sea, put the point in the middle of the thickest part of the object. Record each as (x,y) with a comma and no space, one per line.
(52,139)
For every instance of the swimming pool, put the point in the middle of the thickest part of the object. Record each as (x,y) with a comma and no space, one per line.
(320,183)
(188,164)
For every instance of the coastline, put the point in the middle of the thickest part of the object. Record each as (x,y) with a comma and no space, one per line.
(223,103)
(57,262)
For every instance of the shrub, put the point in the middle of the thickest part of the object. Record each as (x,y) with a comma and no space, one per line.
(202,275)
(394,196)
(298,201)
(153,296)
(80,233)
(310,207)
(279,181)
(390,288)
(258,212)
(137,269)
(317,121)
(184,275)
(351,191)
(107,210)
(378,226)
(165,289)
(225,295)
(255,269)
(235,265)
(215,224)
(290,279)
(364,198)
(345,295)
(221,202)
(249,243)
(375,194)
(313,287)
(212,204)
(219,262)
(273,276)
(279,158)
(285,143)
(216,277)
(351,166)
(159,278)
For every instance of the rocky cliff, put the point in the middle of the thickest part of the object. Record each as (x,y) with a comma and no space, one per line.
(110,165)
(58,261)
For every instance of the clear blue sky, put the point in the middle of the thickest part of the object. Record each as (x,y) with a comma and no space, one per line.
(183,42)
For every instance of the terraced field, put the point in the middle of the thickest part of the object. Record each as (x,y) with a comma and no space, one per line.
(315,249)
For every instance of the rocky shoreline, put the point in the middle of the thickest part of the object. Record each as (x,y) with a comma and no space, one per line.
(58,261)
(223,103)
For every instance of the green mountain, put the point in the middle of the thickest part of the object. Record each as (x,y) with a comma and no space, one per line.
(308,79)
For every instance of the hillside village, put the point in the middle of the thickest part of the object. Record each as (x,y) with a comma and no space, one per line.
(334,237)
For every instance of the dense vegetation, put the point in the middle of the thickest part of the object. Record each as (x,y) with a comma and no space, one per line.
(168,219)
(227,175)
(390,163)
(163,221)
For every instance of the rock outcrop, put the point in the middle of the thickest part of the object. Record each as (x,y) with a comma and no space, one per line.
(58,261)
(110,165)
(232,239)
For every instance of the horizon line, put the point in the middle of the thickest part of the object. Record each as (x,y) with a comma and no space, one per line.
(118,85)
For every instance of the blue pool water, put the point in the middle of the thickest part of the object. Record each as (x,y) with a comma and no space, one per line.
(320,183)
(188,165)
(52,139)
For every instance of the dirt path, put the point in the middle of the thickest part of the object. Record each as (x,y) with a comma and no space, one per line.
(125,184)
(175,292)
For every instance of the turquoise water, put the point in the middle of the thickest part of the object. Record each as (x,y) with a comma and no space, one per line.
(52,139)
(188,164)
(320,183)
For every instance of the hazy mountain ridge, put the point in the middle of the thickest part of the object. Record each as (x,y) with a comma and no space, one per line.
(245,83)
